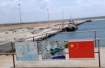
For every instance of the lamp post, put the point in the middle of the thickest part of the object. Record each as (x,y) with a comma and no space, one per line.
(62,16)
(48,17)
(20,15)
(62,19)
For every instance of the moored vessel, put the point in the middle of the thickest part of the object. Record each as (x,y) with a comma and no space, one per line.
(71,26)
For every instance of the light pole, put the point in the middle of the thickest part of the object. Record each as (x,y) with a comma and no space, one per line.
(63,19)
(20,15)
(48,17)
(62,16)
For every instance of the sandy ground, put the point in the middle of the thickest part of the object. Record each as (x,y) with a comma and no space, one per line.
(6,62)
(2,28)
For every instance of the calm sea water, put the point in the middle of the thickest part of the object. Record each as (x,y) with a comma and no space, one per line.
(85,30)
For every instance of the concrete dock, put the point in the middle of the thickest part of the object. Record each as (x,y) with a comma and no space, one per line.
(13,34)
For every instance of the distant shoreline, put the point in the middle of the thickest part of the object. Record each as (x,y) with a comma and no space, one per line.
(98,19)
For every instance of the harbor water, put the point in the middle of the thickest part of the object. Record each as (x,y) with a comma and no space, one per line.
(85,31)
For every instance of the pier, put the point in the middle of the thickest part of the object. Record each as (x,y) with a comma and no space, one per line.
(29,33)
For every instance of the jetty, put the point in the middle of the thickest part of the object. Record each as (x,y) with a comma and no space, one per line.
(29,33)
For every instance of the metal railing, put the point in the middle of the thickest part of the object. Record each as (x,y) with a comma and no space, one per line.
(13,54)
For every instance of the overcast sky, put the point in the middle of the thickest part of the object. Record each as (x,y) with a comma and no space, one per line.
(36,10)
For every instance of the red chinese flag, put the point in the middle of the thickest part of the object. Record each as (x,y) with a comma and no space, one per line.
(81,49)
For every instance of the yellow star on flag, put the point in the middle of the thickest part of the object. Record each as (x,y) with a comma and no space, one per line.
(72,45)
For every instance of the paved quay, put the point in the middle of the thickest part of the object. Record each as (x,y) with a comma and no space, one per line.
(6,61)
(26,33)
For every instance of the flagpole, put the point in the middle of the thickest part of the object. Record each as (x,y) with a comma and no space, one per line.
(99,52)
